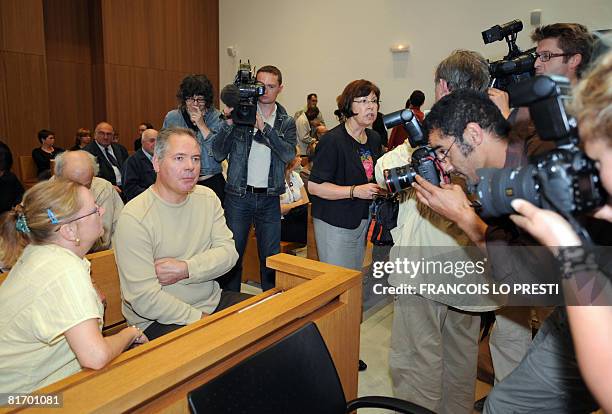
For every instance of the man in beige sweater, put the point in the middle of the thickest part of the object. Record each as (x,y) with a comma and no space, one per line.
(171,243)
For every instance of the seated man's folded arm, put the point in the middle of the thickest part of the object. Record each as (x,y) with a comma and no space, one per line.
(222,255)
(140,287)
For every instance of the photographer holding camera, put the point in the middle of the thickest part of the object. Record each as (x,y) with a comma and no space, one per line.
(475,137)
(257,156)
(434,343)
(589,324)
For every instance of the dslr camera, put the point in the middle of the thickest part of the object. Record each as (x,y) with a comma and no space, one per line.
(423,161)
(250,90)
(565,179)
(516,66)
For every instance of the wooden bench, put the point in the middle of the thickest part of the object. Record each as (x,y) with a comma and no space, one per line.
(29,173)
(157,376)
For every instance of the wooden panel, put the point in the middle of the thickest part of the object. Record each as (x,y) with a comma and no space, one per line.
(67,34)
(180,36)
(21,26)
(104,273)
(4,119)
(71,97)
(134,95)
(27,97)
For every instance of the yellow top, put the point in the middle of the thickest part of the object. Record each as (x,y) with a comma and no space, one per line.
(47,292)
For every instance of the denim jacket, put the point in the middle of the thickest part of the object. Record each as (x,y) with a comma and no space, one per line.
(208,164)
(234,143)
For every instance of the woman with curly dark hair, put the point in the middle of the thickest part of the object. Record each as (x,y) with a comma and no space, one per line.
(197,112)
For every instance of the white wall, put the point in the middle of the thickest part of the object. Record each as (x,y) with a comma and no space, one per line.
(320,46)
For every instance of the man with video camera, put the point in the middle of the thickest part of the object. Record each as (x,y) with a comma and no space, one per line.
(257,156)
(434,343)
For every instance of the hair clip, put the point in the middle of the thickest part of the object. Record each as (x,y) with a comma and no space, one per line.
(52,217)
(21,224)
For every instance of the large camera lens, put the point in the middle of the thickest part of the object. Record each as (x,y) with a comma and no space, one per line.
(399,178)
(498,187)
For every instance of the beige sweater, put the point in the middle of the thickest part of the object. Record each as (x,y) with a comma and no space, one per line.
(150,228)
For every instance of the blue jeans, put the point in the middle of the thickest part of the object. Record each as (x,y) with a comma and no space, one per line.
(240,212)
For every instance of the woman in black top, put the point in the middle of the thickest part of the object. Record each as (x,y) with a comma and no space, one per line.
(11,189)
(341,180)
(83,137)
(45,153)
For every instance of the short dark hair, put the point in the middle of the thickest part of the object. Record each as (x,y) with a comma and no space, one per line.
(310,95)
(195,85)
(273,70)
(573,38)
(43,134)
(6,158)
(464,69)
(148,124)
(417,98)
(355,89)
(453,112)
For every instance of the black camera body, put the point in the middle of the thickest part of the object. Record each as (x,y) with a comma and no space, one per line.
(516,66)
(250,90)
(565,179)
(423,161)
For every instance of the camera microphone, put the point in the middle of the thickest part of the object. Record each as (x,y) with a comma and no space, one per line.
(230,95)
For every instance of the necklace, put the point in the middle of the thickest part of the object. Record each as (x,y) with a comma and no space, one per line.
(362,138)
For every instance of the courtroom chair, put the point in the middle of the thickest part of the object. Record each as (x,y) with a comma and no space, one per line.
(29,175)
(294,375)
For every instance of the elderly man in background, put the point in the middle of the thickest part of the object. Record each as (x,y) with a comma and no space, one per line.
(81,167)
(110,156)
(138,171)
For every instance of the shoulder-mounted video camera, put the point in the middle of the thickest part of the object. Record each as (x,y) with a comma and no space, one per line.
(250,90)
(516,66)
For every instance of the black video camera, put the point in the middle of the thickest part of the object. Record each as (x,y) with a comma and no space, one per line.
(565,179)
(250,90)
(423,161)
(516,66)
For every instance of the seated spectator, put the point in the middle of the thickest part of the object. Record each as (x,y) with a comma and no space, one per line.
(50,312)
(304,126)
(11,189)
(141,128)
(83,137)
(294,205)
(138,170)
(81,167)
(45,153)
(311,102)
(172,242)
(111,157)
(399,134)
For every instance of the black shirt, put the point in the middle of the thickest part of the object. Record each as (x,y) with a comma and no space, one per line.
(11,191)
(337,160)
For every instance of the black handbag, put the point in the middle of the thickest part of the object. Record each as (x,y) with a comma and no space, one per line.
(384,211)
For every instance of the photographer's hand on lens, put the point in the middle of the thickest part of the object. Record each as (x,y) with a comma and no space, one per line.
(548,227)
(501,99)
(448,200)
